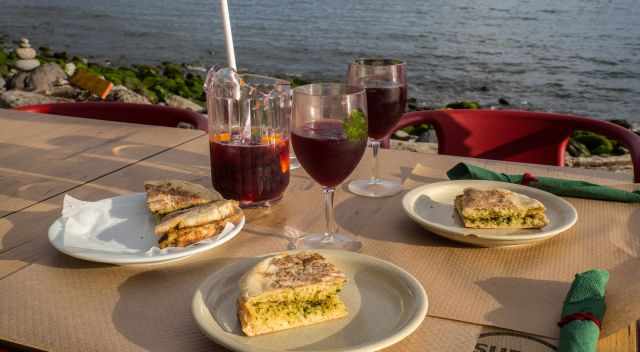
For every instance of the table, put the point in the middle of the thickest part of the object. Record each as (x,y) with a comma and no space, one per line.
(45,155)
(44,294)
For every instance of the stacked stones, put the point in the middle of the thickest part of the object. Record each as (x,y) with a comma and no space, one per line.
(26,56)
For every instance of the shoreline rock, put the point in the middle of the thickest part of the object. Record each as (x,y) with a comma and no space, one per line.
(27,65)
(69,68)
(45,77)
(620,163)
(125,95)
(418,147)
(177,101)
(26,53)
(16,98)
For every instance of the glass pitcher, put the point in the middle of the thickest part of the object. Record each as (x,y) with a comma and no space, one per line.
(249,118)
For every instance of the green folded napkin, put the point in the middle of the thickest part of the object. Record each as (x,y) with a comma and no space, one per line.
(585,296)
(567,188)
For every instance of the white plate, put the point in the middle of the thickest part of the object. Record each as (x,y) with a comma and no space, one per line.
(130,239)
(385,304)
(432,207)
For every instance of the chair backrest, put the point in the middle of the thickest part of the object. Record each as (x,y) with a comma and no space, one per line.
(124,112)
(522,136)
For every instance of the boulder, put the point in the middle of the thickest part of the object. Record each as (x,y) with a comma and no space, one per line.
(620,163)
(4,70)
(619,149)
(69,68)
(596,143)
(401,135)
(426,148)
(186,125)
(27,65)
(197,69)
(66,91)
(634,126)
(24,43)
(125,95)
(15,98)
(621,122)
(428,136)
(417,130)
(26,53)
(20,81)
(44,77)
(577,149)
(463,105)
(177,101)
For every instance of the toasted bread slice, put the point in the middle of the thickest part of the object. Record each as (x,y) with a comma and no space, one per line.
(288,291)
(167,196)
(182,237)
(499,208)
(196,216)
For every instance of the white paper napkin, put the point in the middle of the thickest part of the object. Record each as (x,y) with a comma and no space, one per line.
(119,225)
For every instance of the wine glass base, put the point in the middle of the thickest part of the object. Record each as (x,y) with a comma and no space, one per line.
(375,189)
(320,241)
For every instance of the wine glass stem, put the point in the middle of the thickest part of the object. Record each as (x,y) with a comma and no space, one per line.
(375,175)
(329,219)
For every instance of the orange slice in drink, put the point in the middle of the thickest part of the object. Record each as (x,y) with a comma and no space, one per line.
(222,137)
(271,139)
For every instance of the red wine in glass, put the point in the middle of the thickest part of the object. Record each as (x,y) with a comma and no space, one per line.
(329,137)
(325,152)
(385,103)
(251,173)
(385,84)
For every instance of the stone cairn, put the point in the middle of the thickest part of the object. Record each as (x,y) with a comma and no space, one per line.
(26,56)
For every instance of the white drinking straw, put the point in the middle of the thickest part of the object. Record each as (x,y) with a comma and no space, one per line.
(228,38)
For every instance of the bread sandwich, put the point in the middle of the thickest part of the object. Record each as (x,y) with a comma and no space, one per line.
(166,196)
(288,291)
(188,226)
(187,213)
(499,208)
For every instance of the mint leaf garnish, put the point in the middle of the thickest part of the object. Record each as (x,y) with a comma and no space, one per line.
(355,126)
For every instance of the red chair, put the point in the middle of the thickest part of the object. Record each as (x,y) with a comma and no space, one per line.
(124,112)
(523,136)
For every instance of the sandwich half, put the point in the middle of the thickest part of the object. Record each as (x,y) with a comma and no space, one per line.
(288,291)
(167,196)
(188,226)
(499,208)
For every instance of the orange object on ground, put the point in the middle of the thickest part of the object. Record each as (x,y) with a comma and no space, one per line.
(92,82)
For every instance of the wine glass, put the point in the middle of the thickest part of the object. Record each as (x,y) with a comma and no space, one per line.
(329,137)
(385,83)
